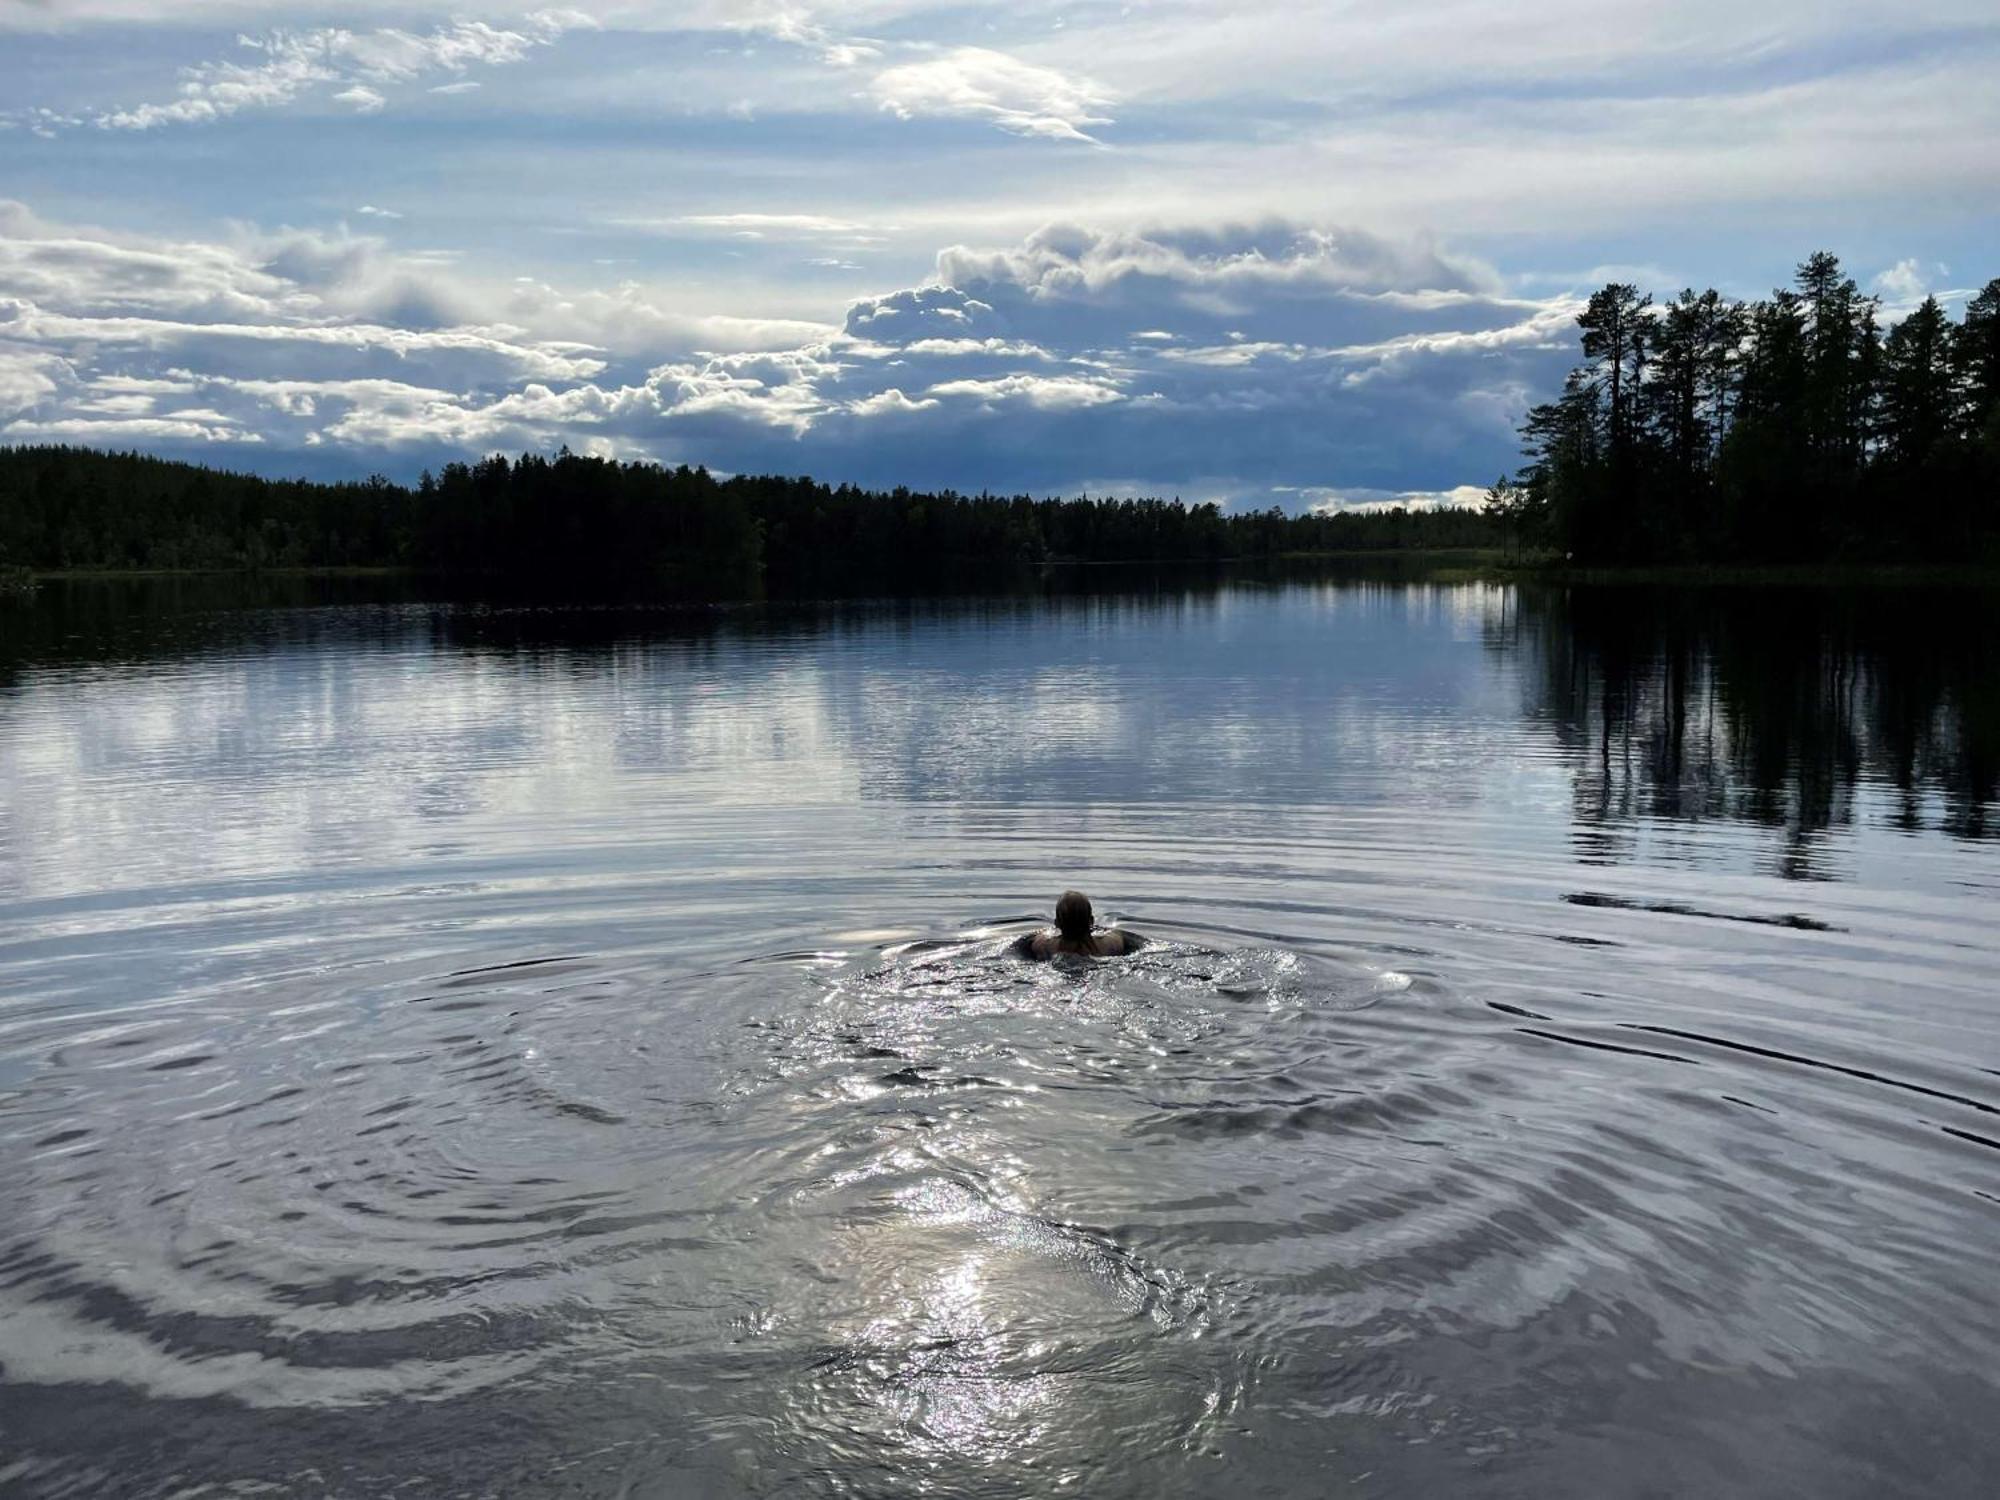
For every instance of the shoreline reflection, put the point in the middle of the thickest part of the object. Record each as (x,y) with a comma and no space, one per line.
(1787,709)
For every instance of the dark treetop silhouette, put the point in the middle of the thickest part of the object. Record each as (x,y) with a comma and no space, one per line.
(1790,430)
(632,526)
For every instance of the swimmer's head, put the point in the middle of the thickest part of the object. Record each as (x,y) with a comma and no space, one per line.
(1074,918)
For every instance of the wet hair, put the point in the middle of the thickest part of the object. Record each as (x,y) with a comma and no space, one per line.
(1074,919)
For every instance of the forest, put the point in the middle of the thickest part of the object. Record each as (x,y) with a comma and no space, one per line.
(635,527)
(1788,430)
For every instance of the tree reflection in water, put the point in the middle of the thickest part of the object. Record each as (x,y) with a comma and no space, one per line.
(1795,708)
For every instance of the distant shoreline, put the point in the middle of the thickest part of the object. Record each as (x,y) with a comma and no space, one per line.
(1441,564)
(1775,575)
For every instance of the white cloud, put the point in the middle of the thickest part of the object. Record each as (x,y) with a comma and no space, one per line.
(27,378)
(370,211)
(295,63)
(117,431)
(165,334)
(1067,260)
(977,83)
(626,315)
(889,402)
(1904,283)
(1549,326)
(995,348)
(116,406)
(1237,354)
(796,28)
(1043,392)
(1679,121)
(136,385)
(83,269)
(291,278)
(389,417)
(365,100)
(774,390)
(849,54)
(134,313)
(1334,501)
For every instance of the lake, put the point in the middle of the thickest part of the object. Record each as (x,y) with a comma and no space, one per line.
(480,1049)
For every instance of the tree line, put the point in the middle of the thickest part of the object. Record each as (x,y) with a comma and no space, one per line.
(1790,429)
(640,527)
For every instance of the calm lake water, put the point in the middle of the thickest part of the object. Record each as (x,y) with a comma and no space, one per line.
(514,1051)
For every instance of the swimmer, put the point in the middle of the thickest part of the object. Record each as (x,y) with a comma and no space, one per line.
(1076,933)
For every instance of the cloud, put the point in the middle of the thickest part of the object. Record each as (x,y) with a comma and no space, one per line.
(775,390)
(980,84)
(1269,285)
(27,378)
(98,330)
(1010,349)
(1043,392)
(92,270)
(364,99)
(796,28)
(1676,127)
(196,427)
(889,402)
(627,316)
(1336,501)
(1237,354)
(1267,362)
(1270,254)
(296,63)
(165,334)
(1904,283)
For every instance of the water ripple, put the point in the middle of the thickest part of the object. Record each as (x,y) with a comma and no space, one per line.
(508,1069)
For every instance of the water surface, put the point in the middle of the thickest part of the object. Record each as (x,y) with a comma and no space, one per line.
(520,1050)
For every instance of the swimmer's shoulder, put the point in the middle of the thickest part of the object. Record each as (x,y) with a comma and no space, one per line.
(1114,942)
(1032,945)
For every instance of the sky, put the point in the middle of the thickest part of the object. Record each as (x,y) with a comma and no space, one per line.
(1302,254)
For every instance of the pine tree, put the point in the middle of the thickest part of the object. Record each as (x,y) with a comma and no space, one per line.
(1976,348)
(1918,397)
(1615,333)
(1564,480)
(1839,337)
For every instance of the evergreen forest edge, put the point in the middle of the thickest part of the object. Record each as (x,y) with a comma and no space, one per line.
(1783,431)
